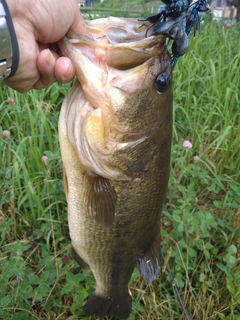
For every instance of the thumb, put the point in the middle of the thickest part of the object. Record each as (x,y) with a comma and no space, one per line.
(79,25)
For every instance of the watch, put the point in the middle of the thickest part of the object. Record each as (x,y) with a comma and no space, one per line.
(9,51)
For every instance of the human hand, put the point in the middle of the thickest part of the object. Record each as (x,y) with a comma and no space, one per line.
(39,25)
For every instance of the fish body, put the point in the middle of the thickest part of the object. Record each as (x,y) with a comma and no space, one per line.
(115,138)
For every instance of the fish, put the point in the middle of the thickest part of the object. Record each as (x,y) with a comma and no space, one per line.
(115,130)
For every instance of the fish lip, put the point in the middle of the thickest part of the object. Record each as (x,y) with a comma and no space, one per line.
(134,37)
(138,51)
(145,43)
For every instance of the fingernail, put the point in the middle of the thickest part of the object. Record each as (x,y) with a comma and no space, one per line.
(69,74)
(49,58)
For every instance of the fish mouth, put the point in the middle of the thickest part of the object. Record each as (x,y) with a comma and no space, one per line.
(121,45)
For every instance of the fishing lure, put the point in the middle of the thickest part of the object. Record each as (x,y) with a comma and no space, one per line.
(176,20)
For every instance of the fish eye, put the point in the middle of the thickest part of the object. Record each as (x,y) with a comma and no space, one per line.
(162,82)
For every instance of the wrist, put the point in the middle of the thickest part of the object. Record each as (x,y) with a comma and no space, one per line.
(9,51)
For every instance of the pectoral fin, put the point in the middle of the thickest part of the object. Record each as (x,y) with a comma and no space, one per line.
(100,199)
(149,265)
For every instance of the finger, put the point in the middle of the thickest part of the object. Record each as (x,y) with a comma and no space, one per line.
(64,70)
(46,65)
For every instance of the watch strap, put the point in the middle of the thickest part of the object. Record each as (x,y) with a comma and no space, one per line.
(9,50)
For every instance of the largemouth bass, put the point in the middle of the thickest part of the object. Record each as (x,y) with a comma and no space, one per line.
(115,136)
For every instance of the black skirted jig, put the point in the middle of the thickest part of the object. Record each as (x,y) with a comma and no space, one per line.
(176,20)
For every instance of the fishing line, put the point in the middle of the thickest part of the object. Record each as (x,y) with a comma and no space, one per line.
(175,288)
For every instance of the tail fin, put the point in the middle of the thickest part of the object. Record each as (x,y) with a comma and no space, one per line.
(119,308)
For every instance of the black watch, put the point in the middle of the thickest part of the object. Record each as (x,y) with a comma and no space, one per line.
(9,51)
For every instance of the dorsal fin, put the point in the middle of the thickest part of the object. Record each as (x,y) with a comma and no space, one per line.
(100,197)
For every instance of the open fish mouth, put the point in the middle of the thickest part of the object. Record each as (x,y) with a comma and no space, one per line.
(117,43)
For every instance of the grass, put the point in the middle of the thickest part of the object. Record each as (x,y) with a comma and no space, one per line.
(132,8)
(201,216)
